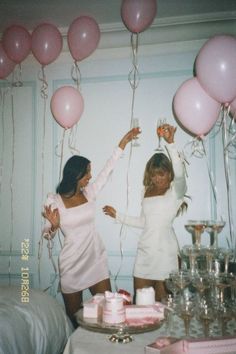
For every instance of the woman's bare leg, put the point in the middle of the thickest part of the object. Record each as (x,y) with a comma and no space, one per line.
(101,287)
(73,302)
(160,290)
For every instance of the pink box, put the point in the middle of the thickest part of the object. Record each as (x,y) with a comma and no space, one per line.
(210,346)
(164,345)
(159,345)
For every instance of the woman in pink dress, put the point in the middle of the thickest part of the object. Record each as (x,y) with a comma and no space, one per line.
(83,259)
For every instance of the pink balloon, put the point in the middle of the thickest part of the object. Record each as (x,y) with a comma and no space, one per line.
(6,64)
(194,108)
(83,37)
(46,43)
(138,15)
(67,106)
(16,41)
(216,67)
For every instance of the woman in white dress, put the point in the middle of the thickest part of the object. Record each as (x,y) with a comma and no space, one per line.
(164,191)
(83,259)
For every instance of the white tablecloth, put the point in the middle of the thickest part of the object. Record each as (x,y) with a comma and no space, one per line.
(83,341)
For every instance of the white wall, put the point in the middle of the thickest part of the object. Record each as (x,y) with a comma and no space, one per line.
(30,166)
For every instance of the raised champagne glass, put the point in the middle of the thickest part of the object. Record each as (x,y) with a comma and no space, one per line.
(135,124)
(159,131)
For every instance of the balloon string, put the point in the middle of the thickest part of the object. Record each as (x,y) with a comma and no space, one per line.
(50,245)
(76,74)
(44,96)
(50,242)
(44,87)
(61,156)
(133,78)
(11,187)
(211,177)
(134,73)
(72,140)
(122,225)
(57,148)
(17,77)
(2,102)
(218,124)
(232,133)
(196,147)
(60,170)
(231,141)
(2,98)
(228,185)
(198,150)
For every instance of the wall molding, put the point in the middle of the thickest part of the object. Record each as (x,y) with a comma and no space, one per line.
(166,30)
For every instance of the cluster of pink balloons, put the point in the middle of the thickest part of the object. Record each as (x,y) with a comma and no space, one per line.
(67,104)
(45,42)
(138,15)
(83,37)
(198,101)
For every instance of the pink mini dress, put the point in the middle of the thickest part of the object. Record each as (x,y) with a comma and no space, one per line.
(83,257)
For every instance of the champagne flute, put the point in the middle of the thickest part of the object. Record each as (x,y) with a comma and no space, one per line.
(135,124)
(214,227)
(186,311)
(206,316)
(159,131)
(196,228)
(182,280)
(201,283)
(225,314)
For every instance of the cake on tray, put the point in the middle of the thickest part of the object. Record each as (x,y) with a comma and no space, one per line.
(111,309)
(137,315)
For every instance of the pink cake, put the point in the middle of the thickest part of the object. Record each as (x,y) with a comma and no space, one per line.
(137,315)
(93,308)
(145,296)
(113,310)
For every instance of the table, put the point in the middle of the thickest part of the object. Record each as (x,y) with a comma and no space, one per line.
(84,341)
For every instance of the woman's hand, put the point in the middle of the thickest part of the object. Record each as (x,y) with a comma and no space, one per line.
(128,137)
(109,210)
(167,132)
(53,216)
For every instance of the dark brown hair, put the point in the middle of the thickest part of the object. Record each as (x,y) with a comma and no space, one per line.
(75,169)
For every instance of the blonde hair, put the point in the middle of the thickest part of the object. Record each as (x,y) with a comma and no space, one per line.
(157,162)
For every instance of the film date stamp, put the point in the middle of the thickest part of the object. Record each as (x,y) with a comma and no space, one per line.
(25,284)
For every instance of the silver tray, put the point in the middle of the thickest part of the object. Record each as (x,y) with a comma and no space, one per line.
(99,326)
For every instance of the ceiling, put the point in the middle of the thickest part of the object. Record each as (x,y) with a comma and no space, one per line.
(30,13)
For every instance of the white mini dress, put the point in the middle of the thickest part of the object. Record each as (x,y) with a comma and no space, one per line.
(158,249)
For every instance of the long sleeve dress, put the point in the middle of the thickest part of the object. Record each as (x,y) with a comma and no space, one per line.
(83,258)
(157,250)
